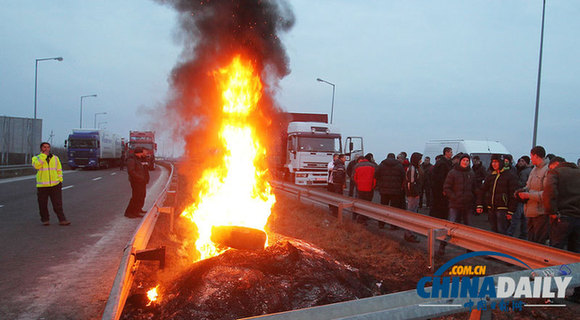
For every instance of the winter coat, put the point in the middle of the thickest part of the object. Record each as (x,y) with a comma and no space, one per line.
(480,174)
(414,181)
(350,168)
(459,188)
(523,176)
(339,173)
(535,186)
(562,190)
(390,177)
(137,172)
(440,171)
(497,191)
(427,174)
(364,176)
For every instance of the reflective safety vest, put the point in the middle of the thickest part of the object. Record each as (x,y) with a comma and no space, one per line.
(49,173)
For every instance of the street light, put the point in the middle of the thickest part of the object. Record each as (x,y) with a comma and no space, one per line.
(333,88)
(95,121)
(82,97)
(36,78)
(539,79)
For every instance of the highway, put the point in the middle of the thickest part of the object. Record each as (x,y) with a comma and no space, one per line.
(65,272)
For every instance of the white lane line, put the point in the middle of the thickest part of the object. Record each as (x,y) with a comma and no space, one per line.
(97,178)
(1,205)
(114,173)
(67,187)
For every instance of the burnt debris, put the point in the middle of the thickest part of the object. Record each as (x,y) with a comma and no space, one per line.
(288,275)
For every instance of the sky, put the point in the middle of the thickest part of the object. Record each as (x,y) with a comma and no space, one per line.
(405,71)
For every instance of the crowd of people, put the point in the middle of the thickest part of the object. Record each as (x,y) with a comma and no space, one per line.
(536,199)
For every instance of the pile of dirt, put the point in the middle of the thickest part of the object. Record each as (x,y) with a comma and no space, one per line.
(291,274)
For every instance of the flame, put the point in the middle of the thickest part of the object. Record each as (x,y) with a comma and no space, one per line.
(152,295)
(235,192)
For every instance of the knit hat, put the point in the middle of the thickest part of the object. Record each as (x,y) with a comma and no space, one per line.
(496,157)
(464,155)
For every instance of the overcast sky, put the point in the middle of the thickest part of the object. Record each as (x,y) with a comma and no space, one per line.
(405,71)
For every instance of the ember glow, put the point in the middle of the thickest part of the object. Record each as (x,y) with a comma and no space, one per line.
(152,295)
(236,191)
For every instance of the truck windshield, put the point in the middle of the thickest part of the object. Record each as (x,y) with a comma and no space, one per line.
(82,143)
(319,144)
(142,145)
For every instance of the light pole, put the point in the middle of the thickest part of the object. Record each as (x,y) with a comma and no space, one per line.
(36,78)
(82,97)
(95,121)
(333,88)
(539,78)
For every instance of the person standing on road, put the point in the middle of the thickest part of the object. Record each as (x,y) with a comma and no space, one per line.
(49,184)
(440,207)
(364,177)
(562,204)
(413,186)
(390,177)
(350,173)
(497,192)
(427,168)
(139,178)
(532,194)
(338,179)
(519,222)
(330,166)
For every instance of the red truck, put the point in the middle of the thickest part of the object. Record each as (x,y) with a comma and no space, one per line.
(146,140)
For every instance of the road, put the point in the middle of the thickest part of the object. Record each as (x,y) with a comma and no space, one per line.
(65,272)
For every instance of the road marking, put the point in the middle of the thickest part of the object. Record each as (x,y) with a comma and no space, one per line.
(97,178)
(1,205)
(114,173)
(67,187)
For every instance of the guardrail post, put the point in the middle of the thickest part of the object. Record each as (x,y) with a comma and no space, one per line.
(341,206)
(432,239)
(170,211)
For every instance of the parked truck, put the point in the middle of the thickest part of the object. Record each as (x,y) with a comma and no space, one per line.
(93,148)
(144,139)
(482,148)
(307,145)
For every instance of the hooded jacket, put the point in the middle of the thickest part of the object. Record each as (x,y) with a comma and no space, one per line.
(535,186)
(562,190)
(390,177)
(497,191)
(459,187)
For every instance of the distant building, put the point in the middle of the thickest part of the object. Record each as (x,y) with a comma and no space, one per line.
(19,139)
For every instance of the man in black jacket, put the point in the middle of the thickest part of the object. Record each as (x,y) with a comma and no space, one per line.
(440,207)
(390,177)
(562,203)
(426,188)
(138,177)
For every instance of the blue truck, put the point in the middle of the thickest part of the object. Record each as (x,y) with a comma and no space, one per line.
(93,148)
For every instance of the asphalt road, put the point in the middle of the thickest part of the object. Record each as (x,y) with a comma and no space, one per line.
(65,272)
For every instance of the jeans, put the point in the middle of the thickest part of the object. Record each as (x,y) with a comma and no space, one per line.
(498,221)
(565,232)
(55,195)
(519,222)
(459,215)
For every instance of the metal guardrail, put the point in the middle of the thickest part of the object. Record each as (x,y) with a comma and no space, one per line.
(129,263)
(406,304)
(533,254)
(15,166)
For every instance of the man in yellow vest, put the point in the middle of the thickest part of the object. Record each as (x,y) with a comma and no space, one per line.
(49,184)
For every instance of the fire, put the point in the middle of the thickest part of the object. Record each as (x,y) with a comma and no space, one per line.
(152,295)
(235,192)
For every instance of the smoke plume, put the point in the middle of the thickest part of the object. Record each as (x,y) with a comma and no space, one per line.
(213,32)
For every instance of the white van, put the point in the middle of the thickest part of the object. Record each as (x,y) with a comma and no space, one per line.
(482,148)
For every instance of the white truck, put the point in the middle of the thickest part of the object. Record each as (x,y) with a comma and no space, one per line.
(308,144)
(482,148)
(93,148)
